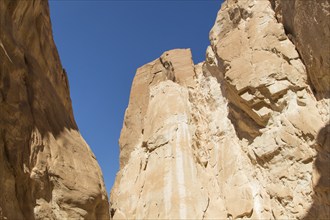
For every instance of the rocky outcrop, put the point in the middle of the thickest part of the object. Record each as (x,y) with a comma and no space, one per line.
(307,25)
(242,135)
(151,74)
(47,170)
(267,77)
(153,182)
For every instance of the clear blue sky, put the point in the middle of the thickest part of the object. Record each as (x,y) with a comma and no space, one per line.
(102,43)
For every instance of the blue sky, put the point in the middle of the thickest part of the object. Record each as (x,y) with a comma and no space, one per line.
(102,43)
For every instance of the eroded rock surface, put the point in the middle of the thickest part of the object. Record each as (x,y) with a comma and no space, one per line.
(307,25)
(241,135)
(47,170)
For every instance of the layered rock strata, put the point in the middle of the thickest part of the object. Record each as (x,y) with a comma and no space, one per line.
(47,170)
(244,134)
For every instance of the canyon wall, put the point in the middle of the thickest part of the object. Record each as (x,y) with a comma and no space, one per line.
(47,170)
(244,134)
(307,25)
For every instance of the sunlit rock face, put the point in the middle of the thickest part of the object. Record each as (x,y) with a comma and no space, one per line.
(273,108)
(47,170)
(244,134)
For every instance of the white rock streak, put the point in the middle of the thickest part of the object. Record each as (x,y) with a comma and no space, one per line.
(168,183)
(257,204)
(179,171)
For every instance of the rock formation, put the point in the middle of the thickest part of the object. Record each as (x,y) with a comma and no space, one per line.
(47,170)
(244,134)
(307,25)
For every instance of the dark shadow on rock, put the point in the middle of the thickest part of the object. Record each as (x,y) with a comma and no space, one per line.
(320,208)
(34,95)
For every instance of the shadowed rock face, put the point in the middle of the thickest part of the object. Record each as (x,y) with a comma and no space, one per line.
(307,25)
(241,135)
(47,170)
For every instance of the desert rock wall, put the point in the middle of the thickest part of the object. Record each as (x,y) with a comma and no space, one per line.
(47,170)
(242,135)
(307,25)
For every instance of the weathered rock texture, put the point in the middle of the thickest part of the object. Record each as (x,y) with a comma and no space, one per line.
(47,171)
(241,135)
(307,25)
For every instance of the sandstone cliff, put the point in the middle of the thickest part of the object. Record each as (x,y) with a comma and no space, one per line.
(244,134)
(47,171)
(307,25)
